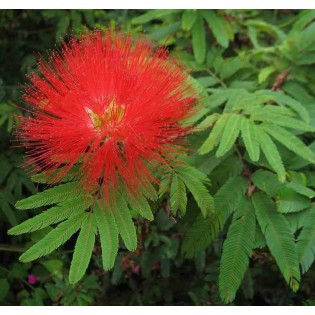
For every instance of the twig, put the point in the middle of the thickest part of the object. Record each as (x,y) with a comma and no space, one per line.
(6,248)
(280,79)
(216,77)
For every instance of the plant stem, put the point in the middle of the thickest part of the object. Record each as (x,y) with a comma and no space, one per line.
(216,77)
(6,248)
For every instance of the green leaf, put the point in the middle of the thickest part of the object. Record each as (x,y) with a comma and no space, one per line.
(53,215)
(200,234)
(195,182)
(290,201)
(281,120)
(301,189)
(164,184)
(208,122)
(50,176)
(149,191)
(199,40)
(165,31)
(217,98)
(5,289)
(265,73)
(188,19)
(153,15)
(108,231)
(290,141)
(227,198)
(230,134)
(300,94)
(178,197)
(124,222)
(231,66)
(237,249)
(55,238)
(50,196)
(141,205)
(306,241)
(203,231)
(271,153)
(290,102)
(218,27)
(307,59)
(83,249)
(279,239)
(267,182)
(215,135)
(249,135)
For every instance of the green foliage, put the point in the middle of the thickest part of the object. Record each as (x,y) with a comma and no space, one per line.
(272,154)
(83,249)
(195,182)
(62,211)
(200,234)
(237,250)
(108,232)
(306,241)
(124,222)
(55,238)
(51,196)
(178,197)
(279,239)
(250,138)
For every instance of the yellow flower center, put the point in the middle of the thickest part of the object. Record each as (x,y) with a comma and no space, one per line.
(113,115)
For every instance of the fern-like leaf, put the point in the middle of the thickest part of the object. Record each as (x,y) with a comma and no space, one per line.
(230,134)
(290,201)
(83,249)
(237,249)
(271,153)
(178,197)
(306,241)
(108,231)
(195,180)
(124,223)
(290,102)
(249,135)
(302,190)
(55,238)
(165,184)
(290,141)
(215,135)
(50,176)
(149,191)
(142,206)
(51,216)
(227,198)
(203,231)
(267,182)
(279,238)
(200,234)
(50,196)
(207,122)
(281,120)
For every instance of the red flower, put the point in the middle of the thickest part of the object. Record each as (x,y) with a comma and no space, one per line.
(110,104)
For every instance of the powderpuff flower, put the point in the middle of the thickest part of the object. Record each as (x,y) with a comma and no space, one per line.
(110,106)
(136,269)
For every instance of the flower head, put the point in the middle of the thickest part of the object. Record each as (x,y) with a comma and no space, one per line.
(31,279)
(109,105)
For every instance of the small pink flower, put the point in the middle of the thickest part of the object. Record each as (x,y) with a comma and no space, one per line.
(31,279)
(156,266)
(135,270)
